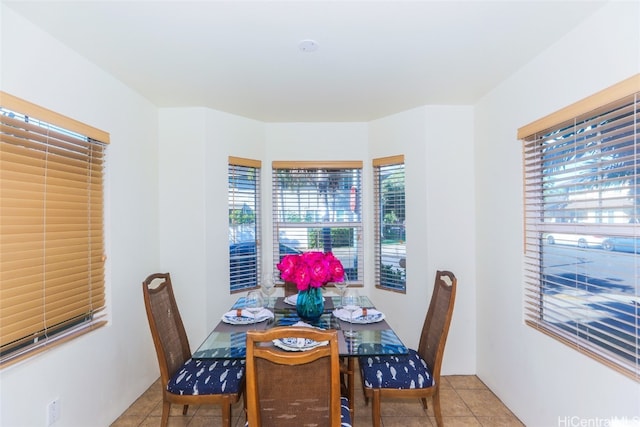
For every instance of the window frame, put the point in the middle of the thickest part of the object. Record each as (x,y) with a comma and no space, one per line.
(245,255)
(52,174)
(387,276)
(349,218)
(570,149)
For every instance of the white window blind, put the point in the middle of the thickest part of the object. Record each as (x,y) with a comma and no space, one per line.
(316,206)
(582,236)
(244,223)
(51,213)
(390,236)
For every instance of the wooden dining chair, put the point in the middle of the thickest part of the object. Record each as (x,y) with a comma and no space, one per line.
(417,374)
(186,381)
(294,388)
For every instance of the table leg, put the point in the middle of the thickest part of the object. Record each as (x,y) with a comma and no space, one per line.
(347,370)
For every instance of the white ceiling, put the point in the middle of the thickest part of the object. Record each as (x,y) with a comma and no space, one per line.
(375,58)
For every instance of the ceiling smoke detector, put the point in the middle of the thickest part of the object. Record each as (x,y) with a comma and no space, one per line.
(308,45)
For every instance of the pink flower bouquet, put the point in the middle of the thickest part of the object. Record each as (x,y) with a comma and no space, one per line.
(311,269)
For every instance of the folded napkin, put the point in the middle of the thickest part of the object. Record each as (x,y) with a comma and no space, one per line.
(361,315)
(291,299)
(243,316)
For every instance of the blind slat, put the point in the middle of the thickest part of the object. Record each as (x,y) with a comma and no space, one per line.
(317,207)
(590,104)
(245,257)
(52,249)
(582,238)
(389,219)
(14,103)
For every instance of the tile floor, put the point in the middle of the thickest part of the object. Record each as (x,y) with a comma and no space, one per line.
(465,401)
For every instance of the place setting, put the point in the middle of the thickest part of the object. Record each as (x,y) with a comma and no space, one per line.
(298,344)
(359,315)
(352,310)
(252,312)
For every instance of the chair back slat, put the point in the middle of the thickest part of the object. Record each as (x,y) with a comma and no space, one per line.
(437,322)
(292,389)
(169,336)
(281,404)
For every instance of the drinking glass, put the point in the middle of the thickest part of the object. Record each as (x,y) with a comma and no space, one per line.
(268,286)
(254,303)
(351,303)
(341,286)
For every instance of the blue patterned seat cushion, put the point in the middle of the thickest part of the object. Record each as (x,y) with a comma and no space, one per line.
(392,371)
(345,415)
(216,376)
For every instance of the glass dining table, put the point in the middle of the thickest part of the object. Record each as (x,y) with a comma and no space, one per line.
(228,341)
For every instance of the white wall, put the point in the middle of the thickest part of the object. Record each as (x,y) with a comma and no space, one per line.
(542,380)
(97,376)
(440,221)
(195,144)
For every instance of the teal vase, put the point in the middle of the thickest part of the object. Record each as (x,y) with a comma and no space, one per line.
(310,304)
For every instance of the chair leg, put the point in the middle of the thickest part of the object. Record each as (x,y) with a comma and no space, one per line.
(166,407)
(244,404)
(425,404)
(185,408)
(375,408)
(436,408)
(366,396)
(226,412)
(364,392)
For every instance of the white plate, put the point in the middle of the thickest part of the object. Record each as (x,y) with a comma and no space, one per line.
(293,299)
(232,318)
(373,316)
(298,344)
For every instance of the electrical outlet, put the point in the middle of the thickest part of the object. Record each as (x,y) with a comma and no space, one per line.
(53,412)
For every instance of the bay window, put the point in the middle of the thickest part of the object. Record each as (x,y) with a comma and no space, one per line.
(316,206)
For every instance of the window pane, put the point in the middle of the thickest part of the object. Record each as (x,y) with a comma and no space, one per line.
(319,209)
(582,235)
(391,234)
(52,246)
(244,212)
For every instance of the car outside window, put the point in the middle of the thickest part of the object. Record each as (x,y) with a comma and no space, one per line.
(244,223)
(316,206)
(582,206)
(390,237)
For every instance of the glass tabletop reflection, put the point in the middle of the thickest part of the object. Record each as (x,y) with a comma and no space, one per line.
(229,341)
